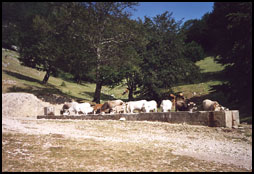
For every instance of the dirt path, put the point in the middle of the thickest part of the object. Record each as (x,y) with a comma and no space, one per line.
(201,148)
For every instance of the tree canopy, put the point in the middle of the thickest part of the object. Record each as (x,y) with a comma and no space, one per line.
(231,29)
(164,63)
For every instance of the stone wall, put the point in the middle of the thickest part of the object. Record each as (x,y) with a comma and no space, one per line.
(213,119)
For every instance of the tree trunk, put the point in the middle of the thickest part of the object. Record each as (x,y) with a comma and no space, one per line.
(97,94)
(46,77)
(130,95)
(78,79)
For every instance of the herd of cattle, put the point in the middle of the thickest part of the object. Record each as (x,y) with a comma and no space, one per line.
(118,106)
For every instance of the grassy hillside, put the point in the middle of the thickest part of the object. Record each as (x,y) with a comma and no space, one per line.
(18,78)
(210,76)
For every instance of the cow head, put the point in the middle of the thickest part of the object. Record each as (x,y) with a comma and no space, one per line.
(192,106)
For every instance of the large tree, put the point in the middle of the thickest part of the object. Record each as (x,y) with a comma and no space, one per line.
(106,34)
(164,64)
(197,38)
(54,39)
(133,55)
(230,25)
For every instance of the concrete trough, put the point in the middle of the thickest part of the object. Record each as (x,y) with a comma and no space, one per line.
(229,119)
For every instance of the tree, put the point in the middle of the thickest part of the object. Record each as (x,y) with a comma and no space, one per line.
(197,35)
(36,39)
(54,40)
(164,64)
(231,27)
(194,51)
(16,16)
(106,34)
(132,54)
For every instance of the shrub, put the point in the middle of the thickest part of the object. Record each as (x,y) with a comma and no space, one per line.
(63,84)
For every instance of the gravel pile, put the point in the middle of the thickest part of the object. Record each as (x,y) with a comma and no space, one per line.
(24,105)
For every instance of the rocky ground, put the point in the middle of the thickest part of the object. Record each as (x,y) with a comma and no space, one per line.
(115,145)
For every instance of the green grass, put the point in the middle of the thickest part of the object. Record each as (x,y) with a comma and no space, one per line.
(29,80)
(210,72)
(209,65)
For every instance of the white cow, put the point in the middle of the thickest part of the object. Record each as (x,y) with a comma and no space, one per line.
(166,105)
(150,106)
(222,108)
(119,109)
(78,108)
(209,105)
(135,105)
(87,110)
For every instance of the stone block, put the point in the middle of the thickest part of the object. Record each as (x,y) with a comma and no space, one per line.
(49,110)
(235,118)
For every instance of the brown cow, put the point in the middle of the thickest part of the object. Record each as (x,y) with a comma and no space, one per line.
(183,104)
(180,103)
(108,106)
(65,108)
(172,98)
(97,108)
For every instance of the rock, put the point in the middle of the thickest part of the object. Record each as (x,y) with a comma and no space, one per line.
(49,110)
(122,119)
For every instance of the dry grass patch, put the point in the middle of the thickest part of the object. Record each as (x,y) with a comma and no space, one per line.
(54,152)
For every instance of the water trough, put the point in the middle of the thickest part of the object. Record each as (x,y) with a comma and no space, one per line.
(229,119)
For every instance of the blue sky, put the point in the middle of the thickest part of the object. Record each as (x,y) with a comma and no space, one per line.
(186,10)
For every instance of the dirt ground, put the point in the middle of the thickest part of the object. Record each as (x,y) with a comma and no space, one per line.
(30,144)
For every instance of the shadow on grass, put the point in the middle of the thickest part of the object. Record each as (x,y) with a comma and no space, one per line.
(103,96)
(207,76)
(49,94)
(204,78)
(22,77)
(46,93)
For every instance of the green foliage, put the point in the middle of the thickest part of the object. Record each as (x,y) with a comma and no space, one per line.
(16,16)
(231,28)
(198,31)
(63,84)
(194,51)
(164,64)
(51,41)
(109,33)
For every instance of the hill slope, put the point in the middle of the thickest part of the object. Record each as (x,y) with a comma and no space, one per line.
(18,78)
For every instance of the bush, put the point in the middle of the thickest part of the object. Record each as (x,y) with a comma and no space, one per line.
(194,51)
(63,84)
